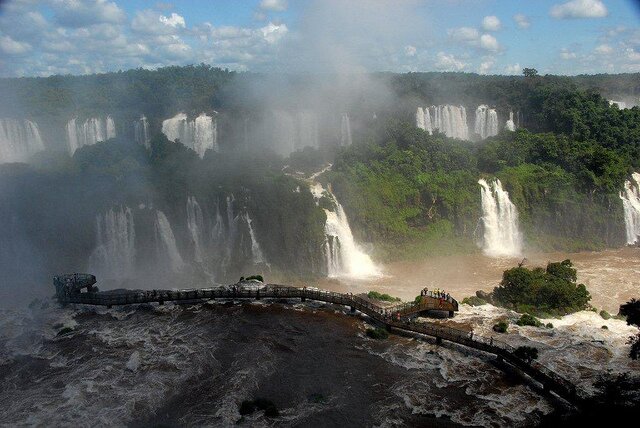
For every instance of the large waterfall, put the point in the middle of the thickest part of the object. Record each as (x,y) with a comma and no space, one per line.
(344,257)
(486,123)
(199,134)
(256,252)
(195,224)
(501,233)
(307,129)
(345,130)
(141,131)
(19,139)
(114,255)
(448,119)
(89,132)
(631,205)
(166,247)
(510,125)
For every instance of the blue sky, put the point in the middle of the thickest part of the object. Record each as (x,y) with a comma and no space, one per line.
(40,38)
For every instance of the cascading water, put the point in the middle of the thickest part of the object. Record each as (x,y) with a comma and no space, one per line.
(344,257)
(195,224)
(486,122)
(345,130)
(510,125)
(19,139)
(200,134)
(448,119)
(501,234)
(114,255)
(256,251)
(89,132)
(141,131)
(631,205)
(166,243)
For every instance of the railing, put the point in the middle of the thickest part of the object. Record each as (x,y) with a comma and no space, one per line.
(380,314)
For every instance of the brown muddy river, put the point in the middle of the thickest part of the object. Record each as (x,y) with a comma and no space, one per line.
(612,276)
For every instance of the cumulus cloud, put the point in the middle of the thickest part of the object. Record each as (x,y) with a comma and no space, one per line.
(491,23)
(448,62)
(522,21)
(486,66)
(567,54)
(76,13)
(488,42)
(513,69)
(410,50)
(464,34)
(174,20)
(274,5)
(603,49)
(13,47)
(576,9)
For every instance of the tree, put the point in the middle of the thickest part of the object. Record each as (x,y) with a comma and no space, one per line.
(526,353)
(529,72)
(631,310)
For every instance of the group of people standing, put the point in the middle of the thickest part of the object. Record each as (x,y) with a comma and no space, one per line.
(437,294)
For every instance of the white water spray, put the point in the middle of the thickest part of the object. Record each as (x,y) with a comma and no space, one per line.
(344,257)
(510,125)
(345,130)
(631,205)
(200,134)
(256,252)
(141,131)
(486,122)
(166,242)
(501,234)
(19,139)
(89,132)
(114,255)
(195,224)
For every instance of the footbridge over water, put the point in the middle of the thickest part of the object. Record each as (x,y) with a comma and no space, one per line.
(69,289)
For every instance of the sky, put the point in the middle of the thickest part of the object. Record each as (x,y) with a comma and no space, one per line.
(46,37)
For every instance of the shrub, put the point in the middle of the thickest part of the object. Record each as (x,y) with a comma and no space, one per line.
(605,315)
(527,319)
(549,325)
(501,327)
(257,277)
(65,330)
(604,327)
(473,301)
(526,353)
(377,333)
(384,297)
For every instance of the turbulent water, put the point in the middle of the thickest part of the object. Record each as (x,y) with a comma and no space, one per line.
(631,205)
(510,125)
(166,247)
(19,139)
(200,134)
(344,257)
(141,131)
(114,255)
(89,132)
(486,122)
(501,236)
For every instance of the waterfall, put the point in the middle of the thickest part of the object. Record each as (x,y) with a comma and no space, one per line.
(195,224)
(448,119)
(631,205)
(486,122)
(502,237)
(283,132)
(89,132)
(141,131)
(200,134)
(345,130)
(344,257)
(510,125)
(256,251)
(423,119)
(114,255)
(166,243)
(19,139)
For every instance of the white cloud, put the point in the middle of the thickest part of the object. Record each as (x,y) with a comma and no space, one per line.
(567,54)
(488,42)
(513,69)
(632,55)
(274,5)
(576,9)
(522,21)
(76,13)
(272,33)
(463,34)
(13,47)
(174,20)
(491,23)
(486,66)
(410,50)
(603,49)
(448,62)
